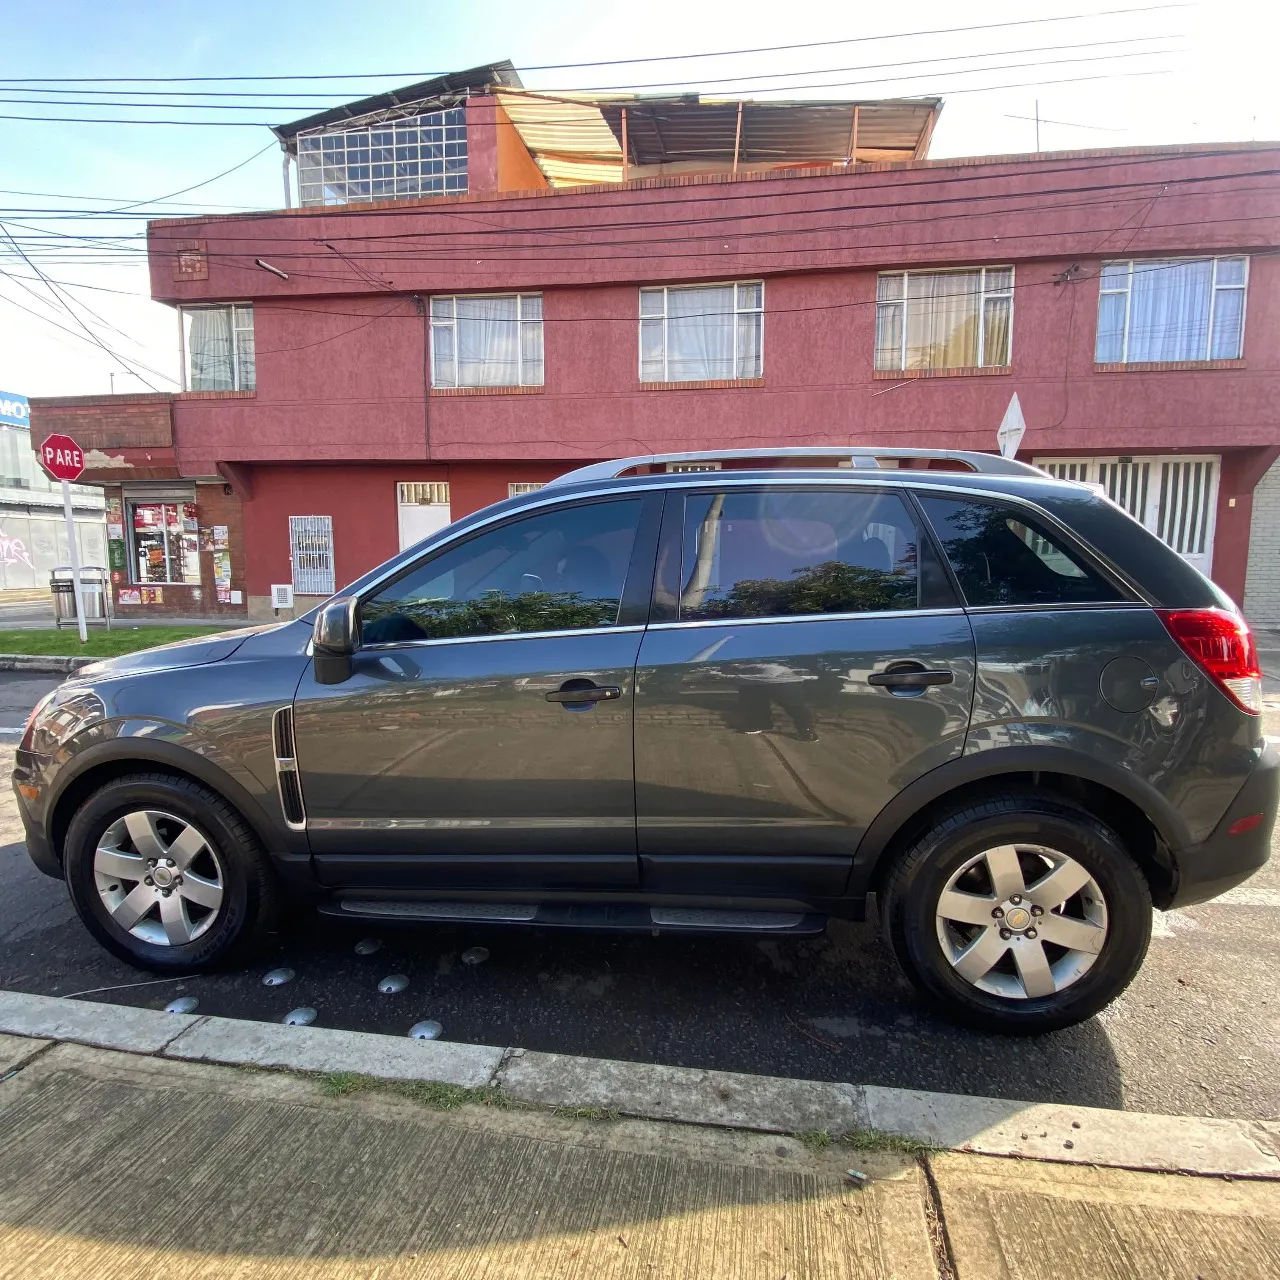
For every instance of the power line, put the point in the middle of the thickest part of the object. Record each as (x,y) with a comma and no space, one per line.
(65,303)
(779,75)
(612,62)
(993,88)
(660,201)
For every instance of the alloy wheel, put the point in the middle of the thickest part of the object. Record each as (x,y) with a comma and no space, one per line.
(158,877)
(1021,921)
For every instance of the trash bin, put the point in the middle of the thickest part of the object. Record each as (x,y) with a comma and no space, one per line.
(94,588)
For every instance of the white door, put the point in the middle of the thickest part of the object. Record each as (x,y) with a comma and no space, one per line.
(423,508)
(1175,496)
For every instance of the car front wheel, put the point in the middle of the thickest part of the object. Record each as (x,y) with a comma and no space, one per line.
(1020,914)
(166,875)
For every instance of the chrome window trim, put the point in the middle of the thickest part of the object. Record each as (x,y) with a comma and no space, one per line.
(885,480)
(881,614)
(505,635)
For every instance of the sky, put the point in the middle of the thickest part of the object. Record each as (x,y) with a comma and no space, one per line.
(1195,72)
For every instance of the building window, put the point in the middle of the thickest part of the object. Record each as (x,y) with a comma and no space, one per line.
(218,351)
(311,555)
(487,341)
(165,542)
(1167,309)
(423,155)
(944,319)
(423,493)
(518,488)
(702,334)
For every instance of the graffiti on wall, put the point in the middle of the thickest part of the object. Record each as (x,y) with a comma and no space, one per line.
(13,551)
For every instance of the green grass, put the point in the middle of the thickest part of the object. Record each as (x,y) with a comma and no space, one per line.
(427,1093)
(101,643)
(587,1113)
(875,1140)
(815,1139)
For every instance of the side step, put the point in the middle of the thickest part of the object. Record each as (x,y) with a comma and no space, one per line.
(582,915)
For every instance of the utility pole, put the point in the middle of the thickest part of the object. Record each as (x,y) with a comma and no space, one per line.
(112,376)
(1037,126)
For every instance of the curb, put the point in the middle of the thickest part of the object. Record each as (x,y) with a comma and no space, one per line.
(985,1126)
(43,664)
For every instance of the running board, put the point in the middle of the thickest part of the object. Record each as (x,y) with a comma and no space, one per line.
(582,915)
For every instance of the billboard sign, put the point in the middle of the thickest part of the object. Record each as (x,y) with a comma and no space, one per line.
(14,410)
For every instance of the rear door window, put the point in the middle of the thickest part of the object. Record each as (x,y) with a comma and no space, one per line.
(1003,556)
(788,553)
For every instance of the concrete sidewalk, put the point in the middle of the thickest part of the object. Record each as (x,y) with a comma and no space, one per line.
(122,1165)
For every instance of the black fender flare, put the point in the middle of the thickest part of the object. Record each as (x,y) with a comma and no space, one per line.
(144,751)
(997,763)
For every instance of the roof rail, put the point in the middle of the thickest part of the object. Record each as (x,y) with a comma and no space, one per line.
(859,457)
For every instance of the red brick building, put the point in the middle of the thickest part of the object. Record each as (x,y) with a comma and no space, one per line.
(482,289)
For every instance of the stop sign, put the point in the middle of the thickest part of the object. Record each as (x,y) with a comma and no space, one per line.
(61,457)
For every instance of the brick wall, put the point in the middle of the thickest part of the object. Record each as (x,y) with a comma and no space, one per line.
(1262,578)
(109,423)
(215,506)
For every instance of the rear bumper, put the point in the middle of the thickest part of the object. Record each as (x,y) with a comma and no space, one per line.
(1203,871)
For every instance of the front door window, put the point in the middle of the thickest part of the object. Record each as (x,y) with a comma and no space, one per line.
(561,570)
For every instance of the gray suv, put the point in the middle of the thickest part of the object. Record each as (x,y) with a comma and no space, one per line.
(712,693)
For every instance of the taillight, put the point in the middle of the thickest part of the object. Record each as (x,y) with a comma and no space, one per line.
(1222,646)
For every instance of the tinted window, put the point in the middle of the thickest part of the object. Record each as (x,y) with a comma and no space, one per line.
(1001,556)
(782,554)
(559,571)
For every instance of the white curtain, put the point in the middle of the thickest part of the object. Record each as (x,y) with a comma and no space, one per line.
(1169,310)
(209,350)
(488,342)
(700,334)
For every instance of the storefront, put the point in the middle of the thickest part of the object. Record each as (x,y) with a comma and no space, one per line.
(174,548)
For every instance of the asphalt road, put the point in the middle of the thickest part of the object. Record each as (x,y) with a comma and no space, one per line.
(1197,1033)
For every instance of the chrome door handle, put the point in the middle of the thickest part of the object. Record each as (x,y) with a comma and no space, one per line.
(576,692)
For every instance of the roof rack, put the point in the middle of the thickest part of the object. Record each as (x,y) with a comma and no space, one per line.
(860,457)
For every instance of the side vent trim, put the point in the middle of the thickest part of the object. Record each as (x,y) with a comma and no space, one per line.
(287,781)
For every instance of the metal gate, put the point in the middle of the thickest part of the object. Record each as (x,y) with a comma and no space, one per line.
(1175,496)
(311,554)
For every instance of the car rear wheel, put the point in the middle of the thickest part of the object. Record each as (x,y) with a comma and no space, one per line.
(166,875)
(1021,913)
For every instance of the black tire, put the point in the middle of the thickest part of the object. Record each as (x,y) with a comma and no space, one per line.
(910,894)
(249,900)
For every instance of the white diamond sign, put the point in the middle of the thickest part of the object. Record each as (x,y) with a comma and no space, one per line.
(1012,428)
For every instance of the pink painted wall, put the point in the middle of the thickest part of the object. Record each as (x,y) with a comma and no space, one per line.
(361,499)
(344,378)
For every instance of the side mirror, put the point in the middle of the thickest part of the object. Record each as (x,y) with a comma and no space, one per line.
(335,639)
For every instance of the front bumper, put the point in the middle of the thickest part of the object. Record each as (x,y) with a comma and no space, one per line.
(1203,871)
(27,773)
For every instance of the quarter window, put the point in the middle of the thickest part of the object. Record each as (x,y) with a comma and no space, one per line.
(944,319)
(560,570)
(165,542)
(488,341)
(218,347)
(1002,556)
(786,554)
(702,334)
(1169,309)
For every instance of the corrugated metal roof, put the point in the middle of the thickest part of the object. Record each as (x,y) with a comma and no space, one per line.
(578,140)
(455,83)
(670,130)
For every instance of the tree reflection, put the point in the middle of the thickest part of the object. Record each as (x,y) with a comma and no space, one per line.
(494,612)
(831,587)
